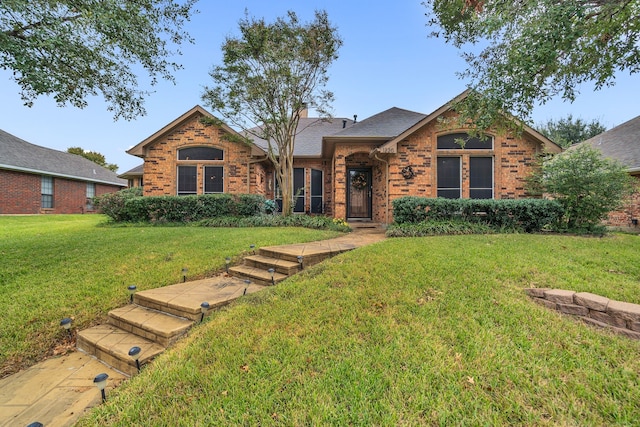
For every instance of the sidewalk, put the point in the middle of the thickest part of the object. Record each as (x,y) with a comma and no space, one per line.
(57,391)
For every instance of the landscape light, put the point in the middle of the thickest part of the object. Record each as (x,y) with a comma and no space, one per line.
(132,290)
(101,382)
(272,273)
(204,307)
(300,262)
(134,353)
(66,324)
(253,248)
(36,424)
(247,282)
(227,261)
(184,274)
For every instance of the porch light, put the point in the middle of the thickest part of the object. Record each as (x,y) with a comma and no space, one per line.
(101,382)
(300,262)
(204,307)
(247,282)
(272,272)
(184,274)
(227,261)
(66,325)
(132,290)
(134,353)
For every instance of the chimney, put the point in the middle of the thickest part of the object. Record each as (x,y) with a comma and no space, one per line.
(304,111)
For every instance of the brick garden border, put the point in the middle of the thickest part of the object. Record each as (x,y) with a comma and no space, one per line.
(621,317)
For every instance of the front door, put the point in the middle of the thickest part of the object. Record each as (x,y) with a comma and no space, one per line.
(359,193)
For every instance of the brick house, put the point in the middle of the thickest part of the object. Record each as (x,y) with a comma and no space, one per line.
(343,168)
(35,179)
(622,143)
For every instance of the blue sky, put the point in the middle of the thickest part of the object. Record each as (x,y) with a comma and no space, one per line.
(388,60)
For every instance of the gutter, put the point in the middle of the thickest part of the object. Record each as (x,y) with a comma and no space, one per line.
(60,175)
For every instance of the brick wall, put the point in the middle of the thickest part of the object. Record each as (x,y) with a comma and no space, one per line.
(20,194)
(161,161)
(624,218)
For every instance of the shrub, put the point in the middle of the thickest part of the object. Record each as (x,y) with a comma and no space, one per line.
(265,220)
(587,185)
(529,215)
(112,204)
(437,227)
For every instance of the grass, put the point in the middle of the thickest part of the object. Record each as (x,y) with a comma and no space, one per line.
(411,331)
(59,266)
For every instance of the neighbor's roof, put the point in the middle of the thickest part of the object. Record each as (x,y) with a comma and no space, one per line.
(621,143)
(19,155)
(135,172)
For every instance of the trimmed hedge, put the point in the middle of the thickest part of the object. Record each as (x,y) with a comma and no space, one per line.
(529,215)
(180,209)
(265,220)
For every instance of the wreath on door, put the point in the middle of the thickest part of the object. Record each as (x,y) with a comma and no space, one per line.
(359,181)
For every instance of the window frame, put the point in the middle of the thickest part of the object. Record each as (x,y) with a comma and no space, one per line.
(438,180)
(314,195)
(178,180)
(492,176)
(183,150)
(204,178)
(46,192)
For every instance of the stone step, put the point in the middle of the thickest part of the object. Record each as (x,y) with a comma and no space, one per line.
(184,299)
(256,275)
(160,327)
(111,345)
(280,265)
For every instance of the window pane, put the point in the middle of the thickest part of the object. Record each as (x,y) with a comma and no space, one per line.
(200,153)
(448,142)
(316,191)
(449,194)
(91,190)
(46,191)
(213,179)
(449,173)
(298,189)
(481,177)
(187,180)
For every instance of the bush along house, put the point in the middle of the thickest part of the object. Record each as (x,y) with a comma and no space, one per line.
(342,167)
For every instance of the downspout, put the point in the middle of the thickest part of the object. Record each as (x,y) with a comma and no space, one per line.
(249,163)
(386,191)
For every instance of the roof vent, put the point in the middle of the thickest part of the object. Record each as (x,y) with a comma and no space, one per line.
(344,123)
(355,118)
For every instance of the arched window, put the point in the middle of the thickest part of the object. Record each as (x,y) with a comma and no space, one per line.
(460,141)
(200,153)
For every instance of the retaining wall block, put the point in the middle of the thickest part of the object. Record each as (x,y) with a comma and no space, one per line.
(591,301)
(605,318)
(560,296)
(548,304)
(536,292)
(576,310)
(624,310)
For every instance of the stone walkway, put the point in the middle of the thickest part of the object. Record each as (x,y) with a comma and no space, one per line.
(59,390)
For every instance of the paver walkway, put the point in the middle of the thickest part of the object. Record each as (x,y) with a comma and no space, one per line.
(59,390)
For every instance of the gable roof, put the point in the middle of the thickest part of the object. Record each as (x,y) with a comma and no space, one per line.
(387,124)
(19,155)
(310,133)
(133,173)
(392,145)
(621,143)
(140,148)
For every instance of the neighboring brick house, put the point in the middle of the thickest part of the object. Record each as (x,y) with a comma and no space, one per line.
(35,179)
(342,168)
(133,177)
(622,143)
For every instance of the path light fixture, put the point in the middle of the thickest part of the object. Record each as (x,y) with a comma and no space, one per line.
(36,424)
(272,272)
(227,261)
(301,262)
(132,290)
(184,274)
(253,248)
(134,353)
(247,282)
(101,382)
(204,307)
(66,325)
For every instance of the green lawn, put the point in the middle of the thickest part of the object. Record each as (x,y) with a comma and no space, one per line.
(59,266)
(420,331)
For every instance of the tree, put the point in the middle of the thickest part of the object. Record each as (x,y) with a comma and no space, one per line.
(269,75)
(94,156)
(568,131)
(586,184)
(72,49)
(535,50)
